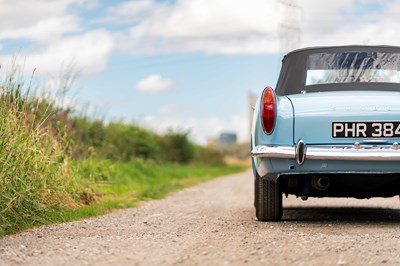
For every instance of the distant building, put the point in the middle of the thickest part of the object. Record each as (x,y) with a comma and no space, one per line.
(227,138)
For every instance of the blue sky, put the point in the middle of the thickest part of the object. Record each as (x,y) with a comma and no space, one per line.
(180,64)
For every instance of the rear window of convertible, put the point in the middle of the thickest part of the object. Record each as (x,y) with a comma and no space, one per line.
(353,67)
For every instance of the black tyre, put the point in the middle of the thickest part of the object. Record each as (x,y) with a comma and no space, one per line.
(268,200)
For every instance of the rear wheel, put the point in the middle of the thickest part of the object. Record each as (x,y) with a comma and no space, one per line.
(268,200)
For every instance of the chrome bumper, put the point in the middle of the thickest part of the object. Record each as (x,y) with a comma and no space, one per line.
(301,152)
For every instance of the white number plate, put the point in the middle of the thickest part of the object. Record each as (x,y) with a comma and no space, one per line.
(366,129)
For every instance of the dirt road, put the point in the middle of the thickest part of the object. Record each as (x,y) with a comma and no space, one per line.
(214,224)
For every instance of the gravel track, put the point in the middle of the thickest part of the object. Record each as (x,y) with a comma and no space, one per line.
(214,224)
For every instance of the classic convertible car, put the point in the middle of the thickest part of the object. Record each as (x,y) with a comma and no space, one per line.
(330,128)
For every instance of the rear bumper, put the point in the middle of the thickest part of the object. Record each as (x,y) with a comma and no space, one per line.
(301,152)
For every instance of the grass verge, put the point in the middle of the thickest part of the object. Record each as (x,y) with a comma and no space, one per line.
(106,186)
(122,185)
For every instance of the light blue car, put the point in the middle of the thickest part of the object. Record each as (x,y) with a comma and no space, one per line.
(330,128)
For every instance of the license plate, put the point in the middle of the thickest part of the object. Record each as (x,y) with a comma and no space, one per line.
(366,129)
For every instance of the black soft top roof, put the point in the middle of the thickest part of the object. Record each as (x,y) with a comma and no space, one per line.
(346,48)
(294,68)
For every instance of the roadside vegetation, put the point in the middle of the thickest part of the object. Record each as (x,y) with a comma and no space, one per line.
(58,165)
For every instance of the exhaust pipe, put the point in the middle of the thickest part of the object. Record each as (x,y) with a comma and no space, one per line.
(321,183)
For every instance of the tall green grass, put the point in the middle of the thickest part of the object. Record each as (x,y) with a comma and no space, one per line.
(34,172)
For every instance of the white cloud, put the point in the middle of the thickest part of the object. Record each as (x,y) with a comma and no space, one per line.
(224,27)
(253,27)
(37,19)
(55,36)
(209,18)
(128,11)
(345,22)
(323,16)
(90,4)
(169,109)
(87,52)
(154,83)
(44,29)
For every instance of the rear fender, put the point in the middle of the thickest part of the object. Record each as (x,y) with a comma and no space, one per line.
(283,130)
(282,133)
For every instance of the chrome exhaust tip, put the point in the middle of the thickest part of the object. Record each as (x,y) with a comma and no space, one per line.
(321,183)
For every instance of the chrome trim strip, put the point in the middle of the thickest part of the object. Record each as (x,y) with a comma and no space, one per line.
(330,153)
(274,151)
(361,154)
(375,140)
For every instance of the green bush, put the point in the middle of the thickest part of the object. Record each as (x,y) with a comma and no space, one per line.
(176,147)
(209,156)
(121,142)
(88,136)
(126,142)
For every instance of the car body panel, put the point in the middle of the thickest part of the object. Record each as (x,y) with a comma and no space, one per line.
(315,112)
(306,115)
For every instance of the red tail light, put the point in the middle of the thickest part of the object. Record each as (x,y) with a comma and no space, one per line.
(268,110)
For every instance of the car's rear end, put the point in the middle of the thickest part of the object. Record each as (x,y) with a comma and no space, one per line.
(336,127)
